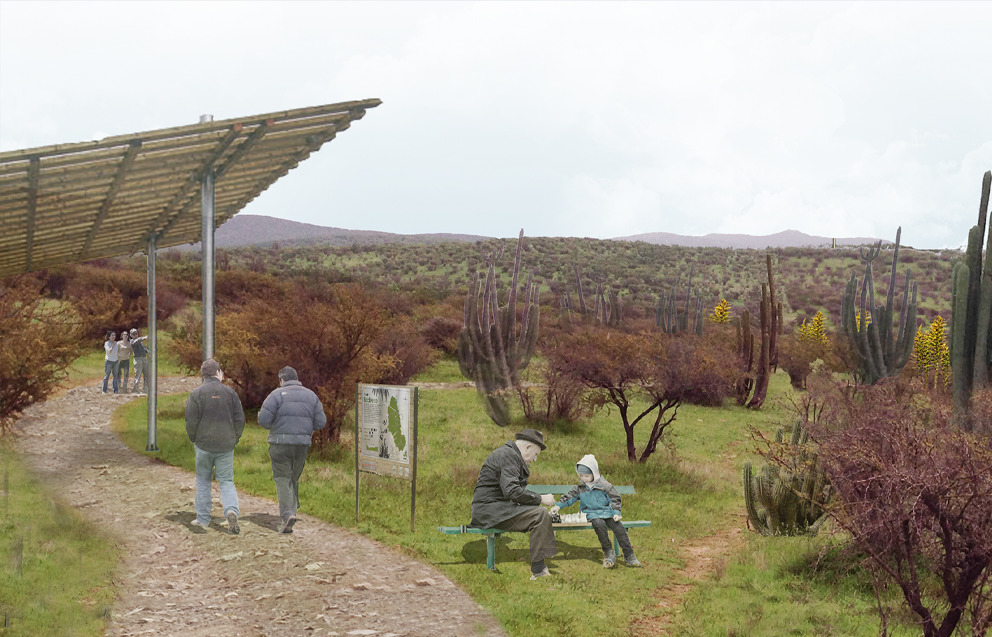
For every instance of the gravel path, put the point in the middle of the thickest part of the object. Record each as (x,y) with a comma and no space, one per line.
(320,580)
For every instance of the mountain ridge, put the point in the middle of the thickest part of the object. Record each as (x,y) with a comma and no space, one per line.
(247,230)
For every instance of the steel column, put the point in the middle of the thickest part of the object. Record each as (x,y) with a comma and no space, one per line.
(151,371)
(207,253)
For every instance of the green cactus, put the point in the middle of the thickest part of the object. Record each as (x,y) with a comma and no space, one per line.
(608,310)
(670,319)
(745,354)
(971,316)
(788,500)
(879,355)
(490,352)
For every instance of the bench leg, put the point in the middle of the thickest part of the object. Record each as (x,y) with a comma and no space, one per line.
(491,550)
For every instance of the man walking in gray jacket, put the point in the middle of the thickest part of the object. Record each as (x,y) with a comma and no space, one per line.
(291,413)
(215,421)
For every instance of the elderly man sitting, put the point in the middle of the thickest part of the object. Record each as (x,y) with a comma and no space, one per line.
(502,501)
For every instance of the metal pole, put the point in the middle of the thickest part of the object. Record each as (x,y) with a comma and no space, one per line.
(151,370)
(358,440)
(413,488)
(207,254)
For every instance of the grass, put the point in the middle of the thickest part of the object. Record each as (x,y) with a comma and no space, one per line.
(56,569)
(689,493)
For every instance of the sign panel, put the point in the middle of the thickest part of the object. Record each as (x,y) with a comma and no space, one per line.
(386,430)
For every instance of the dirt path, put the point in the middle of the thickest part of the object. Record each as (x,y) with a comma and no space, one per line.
(703,557)
(321,580)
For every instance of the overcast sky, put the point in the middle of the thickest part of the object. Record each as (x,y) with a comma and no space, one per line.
(562,118)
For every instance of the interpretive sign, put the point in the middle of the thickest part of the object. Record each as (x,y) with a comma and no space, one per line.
(386,435)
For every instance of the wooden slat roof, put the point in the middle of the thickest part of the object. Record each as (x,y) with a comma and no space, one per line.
(75,202)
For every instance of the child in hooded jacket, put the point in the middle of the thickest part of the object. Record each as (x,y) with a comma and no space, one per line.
(600,502)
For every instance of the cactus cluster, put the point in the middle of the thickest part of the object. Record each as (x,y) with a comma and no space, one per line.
(788,500)
(490,352)
(971,316)
(670,319)
(879,354)
(608,310)
(753,386)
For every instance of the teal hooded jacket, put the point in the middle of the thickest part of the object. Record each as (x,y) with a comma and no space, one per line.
(597,499)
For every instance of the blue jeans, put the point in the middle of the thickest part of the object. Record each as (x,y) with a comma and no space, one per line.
(220,465)
(111,368)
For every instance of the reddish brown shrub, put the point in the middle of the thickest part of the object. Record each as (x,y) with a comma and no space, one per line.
(915,493)
(441,333)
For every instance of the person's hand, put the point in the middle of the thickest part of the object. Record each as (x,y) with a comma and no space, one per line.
(547,500)
(553,510)
(616,518)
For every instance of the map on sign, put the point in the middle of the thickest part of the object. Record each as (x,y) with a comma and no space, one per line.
(385,416)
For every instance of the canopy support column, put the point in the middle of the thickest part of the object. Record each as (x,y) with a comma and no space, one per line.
(207,253)
(151,372)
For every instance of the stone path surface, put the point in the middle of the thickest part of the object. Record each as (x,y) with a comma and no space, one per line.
(320,580)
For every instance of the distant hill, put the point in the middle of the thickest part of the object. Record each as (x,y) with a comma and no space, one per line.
(785,239)
(247,230)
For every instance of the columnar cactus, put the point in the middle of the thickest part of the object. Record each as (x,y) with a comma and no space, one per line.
(971,316)
(608,310)
(668,317)
(745,355)
(879,355)
(788,500)
(771,326)
(490,352)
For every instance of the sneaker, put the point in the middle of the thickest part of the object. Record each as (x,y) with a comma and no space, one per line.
(632,562)
(610,560)
(197,527)
(232,523)
(544,573)
(287,526)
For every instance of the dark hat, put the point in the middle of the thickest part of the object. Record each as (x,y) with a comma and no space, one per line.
(209,368)
(288,373)
(533,435)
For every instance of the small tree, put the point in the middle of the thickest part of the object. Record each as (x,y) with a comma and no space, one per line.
(625,369)
(915,493)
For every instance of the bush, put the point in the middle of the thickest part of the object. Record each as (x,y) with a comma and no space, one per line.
(41,338)
(441,332)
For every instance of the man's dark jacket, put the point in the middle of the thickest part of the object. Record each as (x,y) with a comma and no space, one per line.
(502,488)
(215,419)
(291,413)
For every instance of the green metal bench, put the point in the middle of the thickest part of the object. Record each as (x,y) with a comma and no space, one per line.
(553,489)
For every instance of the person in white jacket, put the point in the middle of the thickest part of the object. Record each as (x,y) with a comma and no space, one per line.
(600,502)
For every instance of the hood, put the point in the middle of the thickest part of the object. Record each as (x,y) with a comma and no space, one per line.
(589,460)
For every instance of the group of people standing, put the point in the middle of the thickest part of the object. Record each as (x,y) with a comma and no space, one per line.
(117,361)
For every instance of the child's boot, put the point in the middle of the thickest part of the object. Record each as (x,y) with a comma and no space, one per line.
(610,560)
(631,561)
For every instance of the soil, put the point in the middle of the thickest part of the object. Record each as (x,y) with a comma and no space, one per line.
(319,580)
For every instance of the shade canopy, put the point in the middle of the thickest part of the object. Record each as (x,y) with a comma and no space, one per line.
(69,203)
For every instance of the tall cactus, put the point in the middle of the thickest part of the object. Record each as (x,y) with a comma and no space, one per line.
(788,500)
(608,310)
(490,352)
(971,316)
(879,355)
(667,315)
(745,355)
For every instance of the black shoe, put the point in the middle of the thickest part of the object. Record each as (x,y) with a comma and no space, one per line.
(287,526)
(232,523)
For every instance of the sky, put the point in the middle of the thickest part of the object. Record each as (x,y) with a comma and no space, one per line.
(588,119)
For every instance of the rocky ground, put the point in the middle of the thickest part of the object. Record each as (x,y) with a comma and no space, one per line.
(320,580)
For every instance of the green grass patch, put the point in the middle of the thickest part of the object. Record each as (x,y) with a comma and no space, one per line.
(56,570)
(688,492)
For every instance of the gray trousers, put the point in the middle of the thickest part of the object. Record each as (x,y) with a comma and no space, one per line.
(537,521)
(141,373)
(287,466)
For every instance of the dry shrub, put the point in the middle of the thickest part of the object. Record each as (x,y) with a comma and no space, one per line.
(915,493)
(441,333)
(40,340)
(557,398)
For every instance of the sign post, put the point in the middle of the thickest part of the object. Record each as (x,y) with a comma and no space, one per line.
(386,436)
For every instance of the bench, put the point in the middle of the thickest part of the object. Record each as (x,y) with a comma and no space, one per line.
(553,489)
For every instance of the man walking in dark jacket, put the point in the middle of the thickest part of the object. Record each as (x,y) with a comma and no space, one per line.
(215,421)
(291,413)
(502,501)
